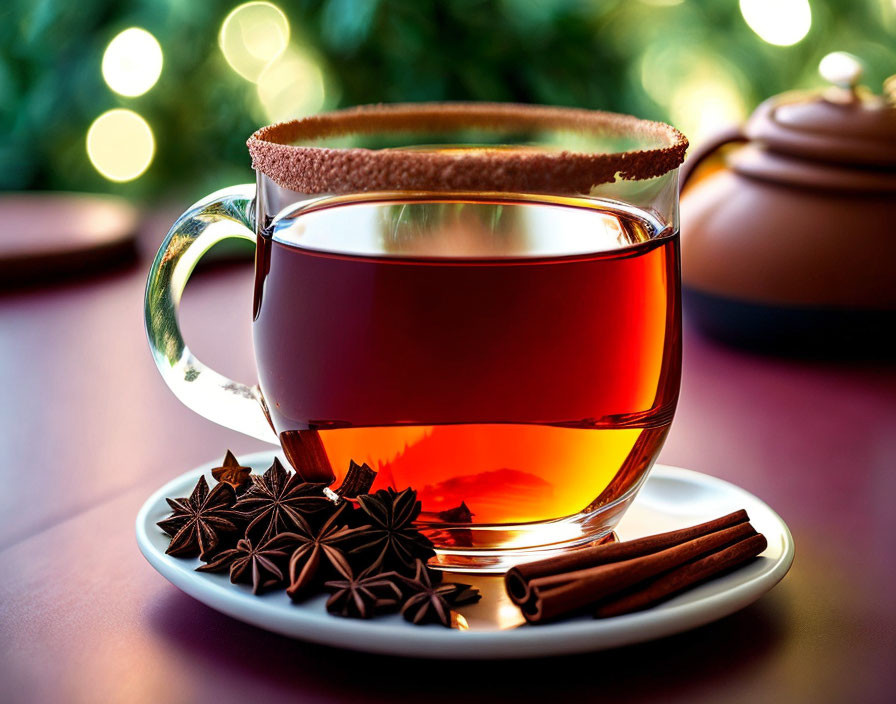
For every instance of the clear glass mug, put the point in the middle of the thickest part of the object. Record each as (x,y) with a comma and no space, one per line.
(480,301)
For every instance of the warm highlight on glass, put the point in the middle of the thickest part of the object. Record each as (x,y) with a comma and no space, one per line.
(454,296)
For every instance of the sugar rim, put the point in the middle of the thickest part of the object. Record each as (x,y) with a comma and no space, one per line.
(316,170)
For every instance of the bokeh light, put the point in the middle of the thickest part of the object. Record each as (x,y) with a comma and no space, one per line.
(779,22)
(701,91)
(132,63)
(705,104)
(252,36)
(291,86)
(120,145)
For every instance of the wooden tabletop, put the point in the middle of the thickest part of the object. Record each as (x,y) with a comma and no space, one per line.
(88,430)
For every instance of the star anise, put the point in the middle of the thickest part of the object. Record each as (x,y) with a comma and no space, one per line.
(232,472)
(392,534)
(358,480)
(317,553)
(430,601)
(258,564)
(366,595)
(197,523)
(277,500)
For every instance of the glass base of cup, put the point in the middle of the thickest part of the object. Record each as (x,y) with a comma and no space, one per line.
(494,549)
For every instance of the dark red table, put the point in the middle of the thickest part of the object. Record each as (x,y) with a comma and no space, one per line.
(88,430)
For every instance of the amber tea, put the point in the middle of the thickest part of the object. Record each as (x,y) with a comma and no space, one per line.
(516,360)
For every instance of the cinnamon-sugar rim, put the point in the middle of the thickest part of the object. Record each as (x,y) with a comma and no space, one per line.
(277,151)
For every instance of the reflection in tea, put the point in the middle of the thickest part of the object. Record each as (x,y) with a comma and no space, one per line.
(517,361)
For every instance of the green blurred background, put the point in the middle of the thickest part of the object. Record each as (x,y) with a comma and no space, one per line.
(700,64)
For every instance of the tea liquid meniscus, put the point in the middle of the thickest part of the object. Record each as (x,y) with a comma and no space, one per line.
(515,359)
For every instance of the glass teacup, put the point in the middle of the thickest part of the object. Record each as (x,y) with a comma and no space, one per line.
(481,302)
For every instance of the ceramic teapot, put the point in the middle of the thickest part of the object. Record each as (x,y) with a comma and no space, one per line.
(792,243)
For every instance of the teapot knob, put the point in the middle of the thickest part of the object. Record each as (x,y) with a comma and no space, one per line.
(842,69)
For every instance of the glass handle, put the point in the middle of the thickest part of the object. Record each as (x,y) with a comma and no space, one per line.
(227,213)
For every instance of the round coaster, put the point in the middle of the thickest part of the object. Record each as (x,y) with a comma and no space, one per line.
(670,498)
(61,234)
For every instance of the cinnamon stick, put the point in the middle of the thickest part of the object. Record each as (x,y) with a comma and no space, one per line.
(557,595)
(517,580)
(680,579)
(305,452)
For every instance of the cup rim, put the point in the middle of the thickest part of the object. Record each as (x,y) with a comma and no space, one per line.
(278,151)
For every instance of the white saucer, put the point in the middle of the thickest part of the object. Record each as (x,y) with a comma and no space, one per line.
(671,498)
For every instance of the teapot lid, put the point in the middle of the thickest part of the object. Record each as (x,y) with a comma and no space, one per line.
(843,124)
